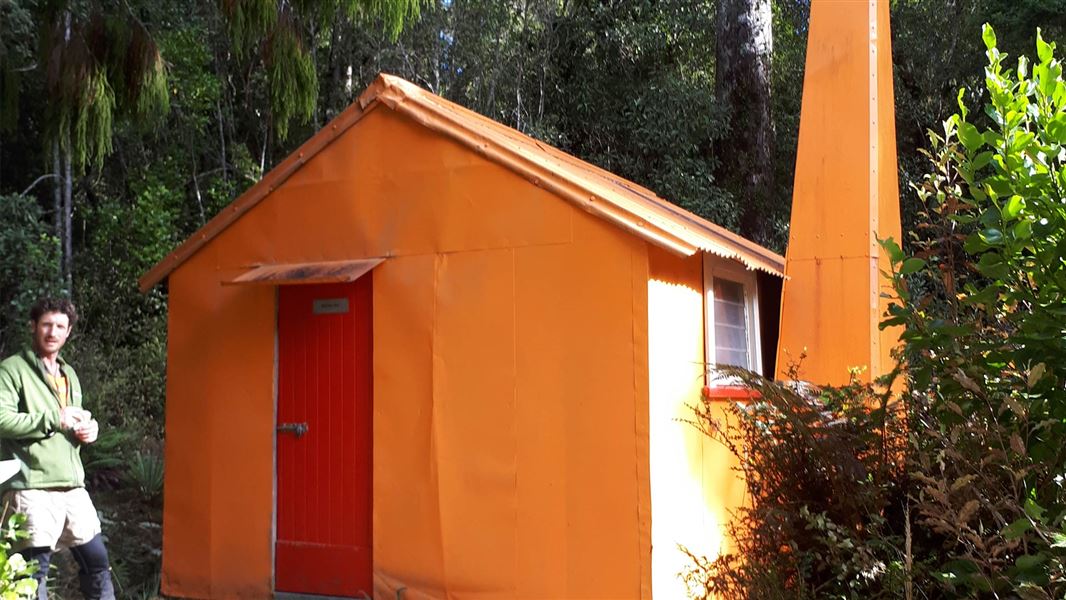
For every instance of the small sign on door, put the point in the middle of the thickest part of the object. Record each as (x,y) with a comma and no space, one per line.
(330,306)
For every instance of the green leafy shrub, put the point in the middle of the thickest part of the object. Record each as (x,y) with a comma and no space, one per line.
(124,386)
(28,267)
(16,581)
(985,343)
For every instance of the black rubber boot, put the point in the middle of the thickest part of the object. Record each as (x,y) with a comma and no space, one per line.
(94,570)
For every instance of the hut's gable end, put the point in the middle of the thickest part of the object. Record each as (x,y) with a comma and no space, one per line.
(389,187)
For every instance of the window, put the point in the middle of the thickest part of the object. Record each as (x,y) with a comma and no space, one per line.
(731,302)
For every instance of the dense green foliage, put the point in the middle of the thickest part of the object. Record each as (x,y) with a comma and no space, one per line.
(958,490)
(28,254)
(985,340)
(936,50)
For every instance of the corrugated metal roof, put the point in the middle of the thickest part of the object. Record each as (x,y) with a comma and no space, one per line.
(595,190)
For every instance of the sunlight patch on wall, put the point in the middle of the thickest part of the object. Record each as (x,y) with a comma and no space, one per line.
(684,511)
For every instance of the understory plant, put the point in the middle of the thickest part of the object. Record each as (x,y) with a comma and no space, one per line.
(822,469)
(145,473)
(955,485)
(16,575)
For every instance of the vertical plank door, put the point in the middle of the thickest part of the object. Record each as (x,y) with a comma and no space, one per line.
(324,443)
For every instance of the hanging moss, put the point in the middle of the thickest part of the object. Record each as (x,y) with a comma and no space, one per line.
(98,70)
(250,22)
(95,122)
(82,122)
(393,13)
(153,100)
(293,81)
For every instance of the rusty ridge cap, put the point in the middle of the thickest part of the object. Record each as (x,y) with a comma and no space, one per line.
(675,228)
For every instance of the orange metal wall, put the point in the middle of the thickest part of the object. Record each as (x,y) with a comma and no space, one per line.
(218,495)
(845,192)
(511,381)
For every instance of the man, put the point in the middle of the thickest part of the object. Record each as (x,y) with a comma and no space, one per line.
(43,425)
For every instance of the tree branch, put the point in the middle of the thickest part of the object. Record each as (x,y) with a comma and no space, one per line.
(36,181)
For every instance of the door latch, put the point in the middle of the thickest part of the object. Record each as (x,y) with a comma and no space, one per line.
(297,429)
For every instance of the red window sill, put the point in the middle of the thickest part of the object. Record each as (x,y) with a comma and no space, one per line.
(729,392)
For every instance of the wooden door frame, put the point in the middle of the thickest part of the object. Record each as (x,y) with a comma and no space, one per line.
(274,446)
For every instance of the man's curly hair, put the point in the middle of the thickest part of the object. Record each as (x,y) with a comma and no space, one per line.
(44,306)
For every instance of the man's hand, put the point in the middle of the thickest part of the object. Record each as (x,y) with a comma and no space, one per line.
(86,431)
(70,416)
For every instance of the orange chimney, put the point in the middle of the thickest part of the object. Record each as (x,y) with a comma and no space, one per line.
(846,195)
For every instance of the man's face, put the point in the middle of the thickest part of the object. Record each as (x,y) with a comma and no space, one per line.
(50,332)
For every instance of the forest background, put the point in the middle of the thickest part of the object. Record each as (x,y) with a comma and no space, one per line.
(697,100)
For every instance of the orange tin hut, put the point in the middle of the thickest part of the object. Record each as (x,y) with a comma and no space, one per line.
(430,357)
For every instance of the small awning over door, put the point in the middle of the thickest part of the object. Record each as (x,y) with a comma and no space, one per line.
(306,273)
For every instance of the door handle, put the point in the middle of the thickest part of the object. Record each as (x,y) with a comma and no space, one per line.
(297,429)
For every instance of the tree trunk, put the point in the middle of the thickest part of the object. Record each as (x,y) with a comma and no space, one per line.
(68,212)
(744,43)
(57,207)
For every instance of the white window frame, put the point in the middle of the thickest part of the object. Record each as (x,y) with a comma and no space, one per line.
(716,267)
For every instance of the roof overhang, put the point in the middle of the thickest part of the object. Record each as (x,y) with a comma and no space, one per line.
(342,271)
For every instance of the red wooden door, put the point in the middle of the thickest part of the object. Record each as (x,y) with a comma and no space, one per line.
(324,439)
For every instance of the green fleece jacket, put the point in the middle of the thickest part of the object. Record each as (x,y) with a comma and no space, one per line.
(29,425)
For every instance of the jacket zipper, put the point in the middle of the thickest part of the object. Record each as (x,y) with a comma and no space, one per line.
(72,455)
